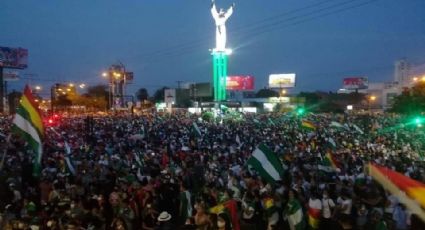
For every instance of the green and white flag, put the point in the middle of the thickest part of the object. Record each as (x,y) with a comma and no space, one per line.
(142,131)
(266,163)
(295,215)
(337,125)
(358,129)
(138,157)
(196,130)
(68,159)
(332,142)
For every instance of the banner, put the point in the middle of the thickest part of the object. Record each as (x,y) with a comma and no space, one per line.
(286,80)
(355,83)
(240,83)
(170,96)
(13,58)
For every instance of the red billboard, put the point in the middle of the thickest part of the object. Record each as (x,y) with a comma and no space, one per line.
(240,83)
(13,58)
(355,83)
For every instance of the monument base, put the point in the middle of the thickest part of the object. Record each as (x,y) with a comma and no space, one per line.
(219,74)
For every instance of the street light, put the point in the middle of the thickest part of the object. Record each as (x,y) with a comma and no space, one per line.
(372,98)
(37,87)
(283,92)
(104,74)
(71,85)
(82,86)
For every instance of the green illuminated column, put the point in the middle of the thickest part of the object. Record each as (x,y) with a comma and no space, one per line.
(220,75)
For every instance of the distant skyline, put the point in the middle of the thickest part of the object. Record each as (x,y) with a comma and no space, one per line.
(163,42)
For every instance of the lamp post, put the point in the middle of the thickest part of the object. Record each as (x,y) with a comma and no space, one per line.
(371,99)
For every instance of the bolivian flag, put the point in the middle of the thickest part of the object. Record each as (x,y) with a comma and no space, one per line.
(329,163)
(27,123)
(408,191)
(308,125)
(314,217)
(230,207)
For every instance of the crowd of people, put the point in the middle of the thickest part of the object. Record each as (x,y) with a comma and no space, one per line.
(152,172)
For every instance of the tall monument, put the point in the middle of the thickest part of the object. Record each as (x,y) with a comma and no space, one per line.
(220,52)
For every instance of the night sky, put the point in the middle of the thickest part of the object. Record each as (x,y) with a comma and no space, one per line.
(162,42)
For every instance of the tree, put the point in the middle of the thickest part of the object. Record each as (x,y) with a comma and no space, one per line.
(142,94)
(410,102)
(159,94)
(264,93)
(311,99)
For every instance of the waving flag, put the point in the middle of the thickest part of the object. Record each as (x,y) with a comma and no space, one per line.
(337,125)
(266,163)
(196,130)
(408,191)
(68,159)
(27,122)
(295,215)
(231,208)
(308,125)
(329,163)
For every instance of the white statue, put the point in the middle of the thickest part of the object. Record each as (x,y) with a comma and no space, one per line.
(220,18)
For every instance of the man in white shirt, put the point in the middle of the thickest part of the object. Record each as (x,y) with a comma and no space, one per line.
(314,210)
(327,207)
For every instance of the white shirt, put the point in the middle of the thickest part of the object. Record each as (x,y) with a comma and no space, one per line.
(315,204)
(327,205)
(346,205)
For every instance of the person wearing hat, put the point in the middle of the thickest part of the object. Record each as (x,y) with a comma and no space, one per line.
(164,221)
(248,211)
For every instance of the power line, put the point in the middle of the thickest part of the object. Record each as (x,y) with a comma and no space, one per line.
(244,27)
(268,28)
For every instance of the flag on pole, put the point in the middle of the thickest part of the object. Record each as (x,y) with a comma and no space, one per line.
(68,159)
(409,192)
(27,123)
(266,163)
(308,125)
(196,130)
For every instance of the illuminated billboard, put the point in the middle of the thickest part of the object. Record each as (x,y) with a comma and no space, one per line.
(285,80)
(240,83)
(13,58)
(170,96)
(355,83)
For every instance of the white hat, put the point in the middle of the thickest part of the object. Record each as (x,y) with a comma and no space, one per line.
(164,216)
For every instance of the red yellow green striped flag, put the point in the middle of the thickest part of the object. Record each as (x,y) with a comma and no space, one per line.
(329,163)
(314,217)
(231,208)
(308,125)
(27,123)
(408,191)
